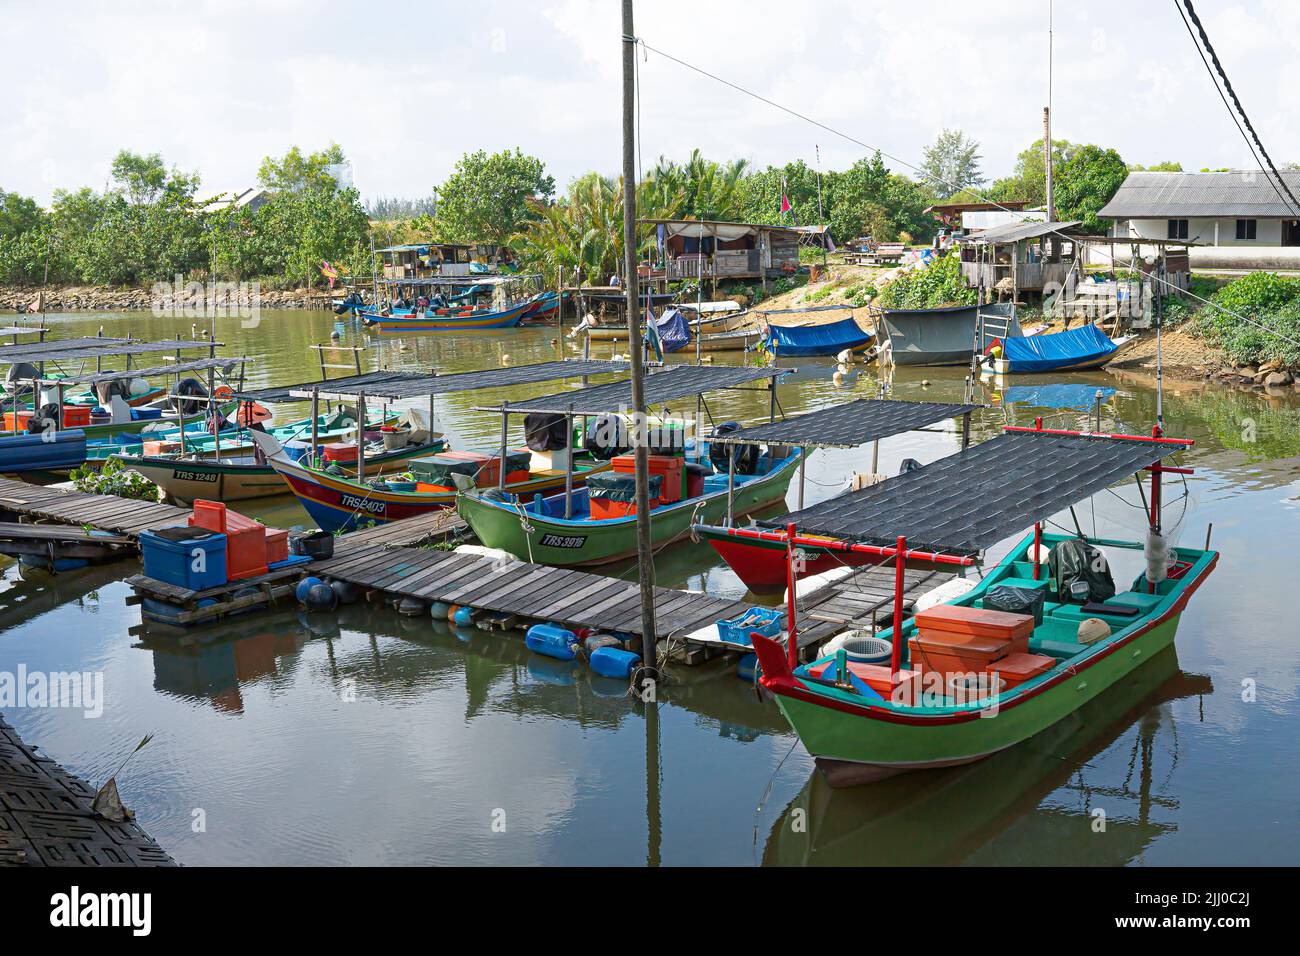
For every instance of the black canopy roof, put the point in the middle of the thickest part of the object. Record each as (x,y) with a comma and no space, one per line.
(398,385)
(672,382)
(93,346)
(848,425)
(968,501)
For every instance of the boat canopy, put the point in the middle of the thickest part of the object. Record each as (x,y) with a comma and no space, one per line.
(94,378)
(94,346)
(848,425)
(1045,353)
(966,502)
(394,385)
(816,339)
(677,381)
(671,329)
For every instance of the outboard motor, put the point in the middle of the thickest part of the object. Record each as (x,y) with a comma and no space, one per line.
(607,437)
(909,464)
(746,455)
(189,387)
(45,419)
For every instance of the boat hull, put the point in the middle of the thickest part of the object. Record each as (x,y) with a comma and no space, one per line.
(935,337)
(507,318)
(585,542)
(187,480)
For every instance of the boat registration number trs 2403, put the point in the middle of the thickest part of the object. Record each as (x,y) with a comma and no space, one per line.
(361,504)
(564,540)
(182,475)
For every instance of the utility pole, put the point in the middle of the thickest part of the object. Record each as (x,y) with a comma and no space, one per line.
(640,428)
(1047,120)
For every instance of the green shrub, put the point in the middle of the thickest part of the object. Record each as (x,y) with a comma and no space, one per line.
(114,479)
(940,284)
(1257,319)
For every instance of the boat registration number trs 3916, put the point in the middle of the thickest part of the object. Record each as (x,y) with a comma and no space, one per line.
(564,540)
(361,504)
(180,475)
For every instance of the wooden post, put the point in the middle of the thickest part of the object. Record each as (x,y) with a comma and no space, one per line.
(501,464)
(315,426)
(361,438)
(965,431)
(791,605)
(896,645)
(645,552)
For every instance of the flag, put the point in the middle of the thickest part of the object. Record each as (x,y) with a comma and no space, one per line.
(37,304)
(785,199)
(329,272)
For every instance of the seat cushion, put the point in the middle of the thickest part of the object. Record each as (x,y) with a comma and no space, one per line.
(1054,647)
(1145,602)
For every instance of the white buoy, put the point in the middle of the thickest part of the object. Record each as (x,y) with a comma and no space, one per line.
(845,357)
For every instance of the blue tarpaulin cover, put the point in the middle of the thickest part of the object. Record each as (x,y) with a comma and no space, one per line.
(1058,350)
(1062,395)
(816,339)
(672,329)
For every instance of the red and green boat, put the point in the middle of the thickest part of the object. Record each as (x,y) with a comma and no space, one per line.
(953,508)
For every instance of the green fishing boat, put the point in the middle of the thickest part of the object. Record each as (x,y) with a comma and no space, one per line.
(862,722)
(539,531)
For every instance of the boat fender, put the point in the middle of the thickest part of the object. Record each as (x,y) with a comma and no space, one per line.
(321,597)
(1093,630)
(438,610)
(464,617)
(596,641)
(1044,554)
(411,607)
(305,585)
(347,592)
(451,612)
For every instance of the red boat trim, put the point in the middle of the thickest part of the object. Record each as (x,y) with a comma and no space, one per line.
(782,681)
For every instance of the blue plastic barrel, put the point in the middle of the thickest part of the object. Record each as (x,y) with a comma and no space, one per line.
(614,662)
(746,666)
(552,640)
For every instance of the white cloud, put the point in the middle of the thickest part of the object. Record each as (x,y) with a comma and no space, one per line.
(408,88)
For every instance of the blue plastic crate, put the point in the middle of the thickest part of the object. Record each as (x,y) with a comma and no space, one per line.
(178,562)
(764,621)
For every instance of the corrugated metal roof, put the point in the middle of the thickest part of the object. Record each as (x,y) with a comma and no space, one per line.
(848,425)
(1017,231)
(1245,194)
(669,384)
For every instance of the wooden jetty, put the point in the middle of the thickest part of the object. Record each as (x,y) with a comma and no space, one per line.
(126,516)
(46,817)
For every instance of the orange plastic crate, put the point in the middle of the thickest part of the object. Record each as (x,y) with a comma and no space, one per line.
(245,538)
(277,545)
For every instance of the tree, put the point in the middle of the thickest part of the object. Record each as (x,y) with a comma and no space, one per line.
(1028,182)
(487,198)
(760,195)
(699,188)
(18,214)
(1086,182)
(294,172)
(1168,166)
(951,165)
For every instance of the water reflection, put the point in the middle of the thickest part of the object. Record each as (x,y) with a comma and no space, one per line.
(997,809)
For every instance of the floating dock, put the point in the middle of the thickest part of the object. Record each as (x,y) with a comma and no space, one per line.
(46,817)
(124,516)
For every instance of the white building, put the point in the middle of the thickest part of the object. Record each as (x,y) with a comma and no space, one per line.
(1244,210)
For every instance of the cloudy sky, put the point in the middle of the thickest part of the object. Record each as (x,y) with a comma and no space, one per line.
(407,87)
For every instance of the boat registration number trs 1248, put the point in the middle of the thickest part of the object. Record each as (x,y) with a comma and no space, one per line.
(181,475)
(361,504)
(564,540)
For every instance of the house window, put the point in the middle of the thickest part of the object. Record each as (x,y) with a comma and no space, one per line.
(1177,228)
(1245,230)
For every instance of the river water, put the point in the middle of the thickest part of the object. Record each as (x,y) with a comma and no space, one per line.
(365,737)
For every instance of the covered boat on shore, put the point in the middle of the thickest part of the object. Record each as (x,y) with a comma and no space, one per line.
(1074,350)
(1074,634)
(798,341)
(947,336)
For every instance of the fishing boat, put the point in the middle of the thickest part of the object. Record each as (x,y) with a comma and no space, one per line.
(967,679)
(786,341)
(1074,350)
(339,502)
(238,477)
(756,555)
(455,321)
(564,529)
(597,524)
(946,336)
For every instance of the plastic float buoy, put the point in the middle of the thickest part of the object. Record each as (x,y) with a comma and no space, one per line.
(321,597)
(1043,554)
(440,610)
(451,612)
(747,667)
(464,617)
(346,591)
(305,585)
(410,607)
(596,641)
(552,640)
(613,662)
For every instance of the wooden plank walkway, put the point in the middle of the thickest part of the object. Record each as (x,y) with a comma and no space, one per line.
(866,597)
(411,532)
(46,817)
(570,597)
(103,512)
